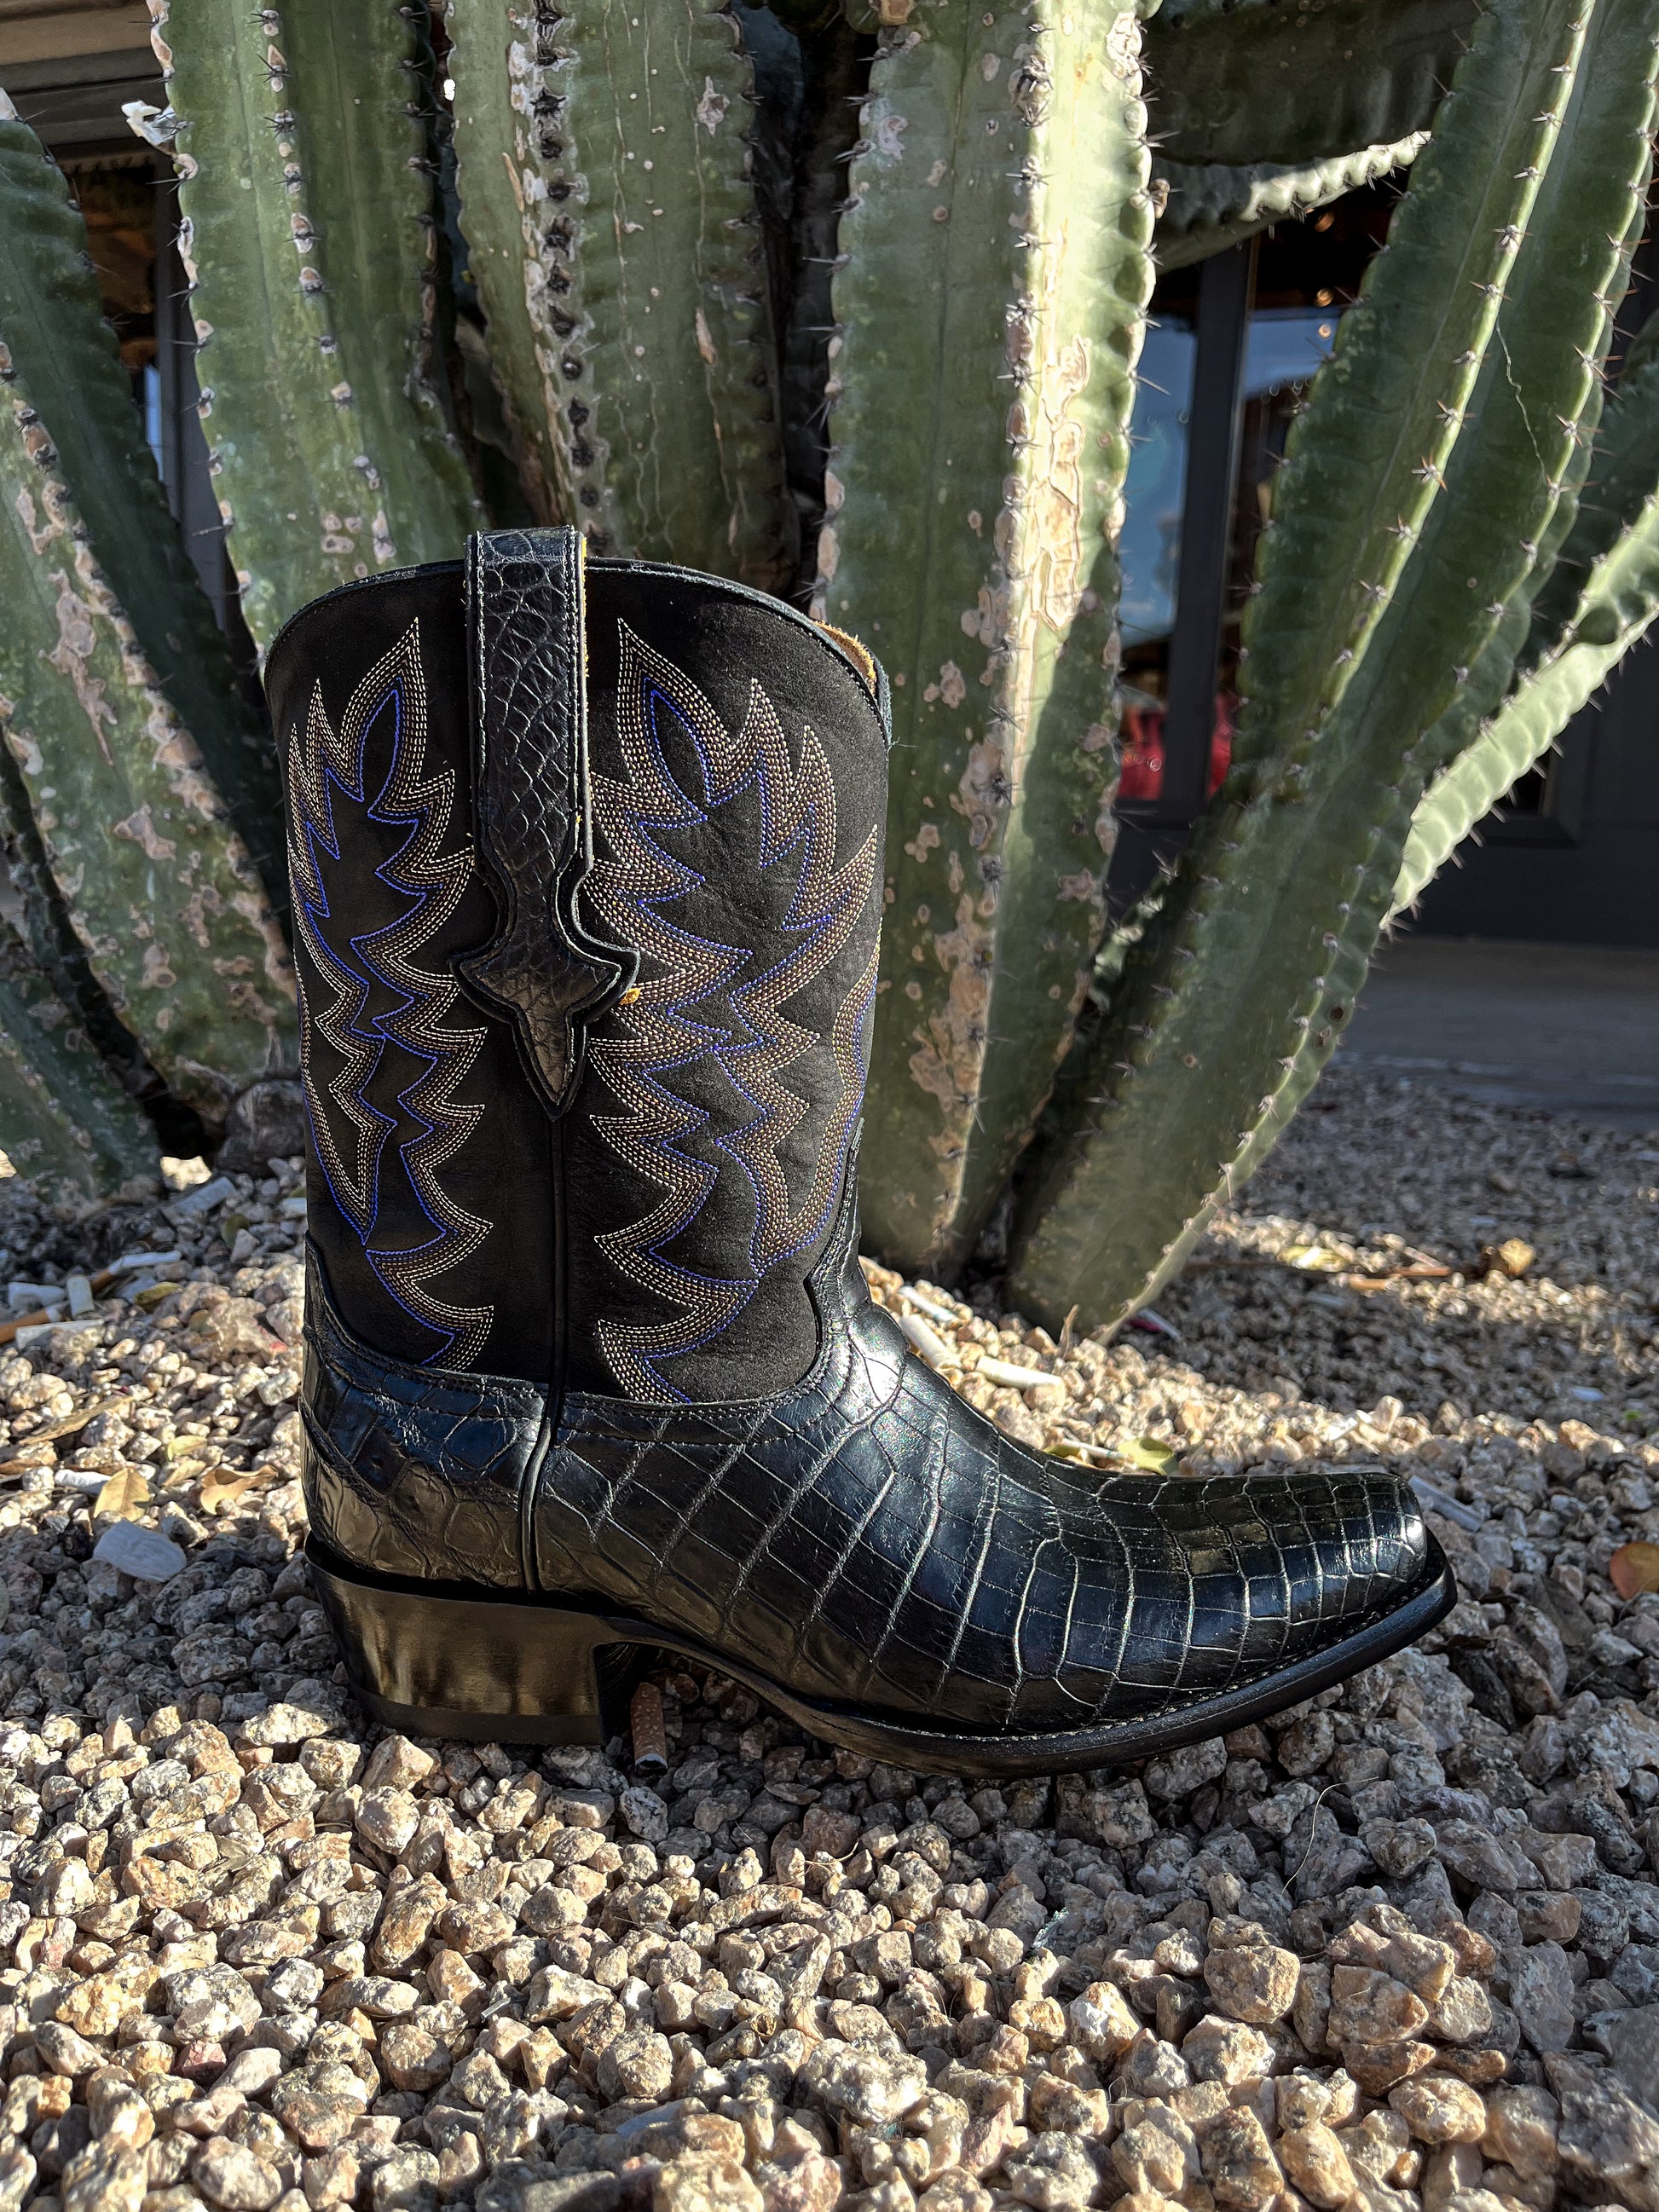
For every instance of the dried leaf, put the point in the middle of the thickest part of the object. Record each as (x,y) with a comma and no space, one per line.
(1634,1568)
(124,1493)
(10,1469)
(1150,1453)
(220,1491)
(70,1424)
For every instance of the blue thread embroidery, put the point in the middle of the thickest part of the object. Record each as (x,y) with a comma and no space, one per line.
(385,1004)
(660,1032)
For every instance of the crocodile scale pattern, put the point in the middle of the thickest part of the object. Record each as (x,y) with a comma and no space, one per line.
(408,1471)
(868,1538)
(524,608)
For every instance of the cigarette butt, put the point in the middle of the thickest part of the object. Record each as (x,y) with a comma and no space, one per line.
(101,1281)
(650,1736)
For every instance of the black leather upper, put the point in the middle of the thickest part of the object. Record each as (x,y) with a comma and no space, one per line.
(865,1539)
(458,748)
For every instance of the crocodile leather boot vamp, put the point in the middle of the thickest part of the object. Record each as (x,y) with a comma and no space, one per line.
(586,869)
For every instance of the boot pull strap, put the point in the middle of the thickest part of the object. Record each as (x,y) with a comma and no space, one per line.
(543,969)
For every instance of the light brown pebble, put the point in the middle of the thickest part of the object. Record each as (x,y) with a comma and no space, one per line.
(1370,2007)
(1521,2130)
(230,2175)
(1316,2164)
(1376,2067)
(952,2192)
(1461,2013)
(1227,2050)
(1438,2108)
(1254,1983)
(331,2177)
(395,1762)
(104,2178)
(117,2113)
(1449,2172)
(1238,2161)
(705,2184)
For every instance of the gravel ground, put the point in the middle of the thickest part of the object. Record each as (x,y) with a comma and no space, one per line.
(1400,1947)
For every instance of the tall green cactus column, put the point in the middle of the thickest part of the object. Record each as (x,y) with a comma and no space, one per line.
(305,164)
(52,324)
(125,831)
(1420,482)
(608,204)
(989,302)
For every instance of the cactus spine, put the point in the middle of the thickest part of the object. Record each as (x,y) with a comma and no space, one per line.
(979,449)
(303,154)
(608,204)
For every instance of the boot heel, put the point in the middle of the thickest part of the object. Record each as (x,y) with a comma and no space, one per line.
(487,1670)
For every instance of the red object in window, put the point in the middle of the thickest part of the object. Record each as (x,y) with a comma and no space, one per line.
(1142,774)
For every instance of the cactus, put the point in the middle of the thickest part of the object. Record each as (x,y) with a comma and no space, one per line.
(1603,595)
(122,814)
(856,284)
(1247,81)
(604,172)
(51,325)
(979,446)
(304,154)
(1380,585)
(69,1129)
(1208,208)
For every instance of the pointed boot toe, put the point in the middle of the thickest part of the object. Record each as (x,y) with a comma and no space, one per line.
(587,873)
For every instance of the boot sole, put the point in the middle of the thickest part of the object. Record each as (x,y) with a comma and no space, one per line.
(438,1663)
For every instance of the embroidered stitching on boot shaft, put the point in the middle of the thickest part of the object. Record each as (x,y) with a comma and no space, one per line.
(658,1029)
(383,1001)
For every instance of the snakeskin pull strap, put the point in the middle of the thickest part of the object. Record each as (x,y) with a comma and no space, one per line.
(525,619)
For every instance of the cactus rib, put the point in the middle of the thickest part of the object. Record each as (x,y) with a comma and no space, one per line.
(1296,858)
(67,1128)
(1259,83)
(297,127)
(1208,208)
(52,326)
(158,887)
(974,503)
(1611,559)
(607,201)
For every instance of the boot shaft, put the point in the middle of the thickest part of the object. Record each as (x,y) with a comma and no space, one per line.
(587,903)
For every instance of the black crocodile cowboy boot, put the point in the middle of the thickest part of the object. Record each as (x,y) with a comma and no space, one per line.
(587,877)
